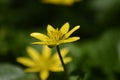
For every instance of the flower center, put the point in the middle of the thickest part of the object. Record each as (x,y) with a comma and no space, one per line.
(55,35)
(45,64)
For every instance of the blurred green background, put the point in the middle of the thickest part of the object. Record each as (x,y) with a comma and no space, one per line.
(96,56)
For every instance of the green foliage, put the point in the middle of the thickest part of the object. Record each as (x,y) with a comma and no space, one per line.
(9,71)
(96,56)
(99,57)
(13,72)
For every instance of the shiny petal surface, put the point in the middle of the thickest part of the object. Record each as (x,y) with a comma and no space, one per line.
(50,28)
(64,29)
(71,39)
(71,31)
(39,36)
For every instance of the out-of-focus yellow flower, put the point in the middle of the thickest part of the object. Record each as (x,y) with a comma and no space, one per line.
(56,37)
(60,2)
(44,62)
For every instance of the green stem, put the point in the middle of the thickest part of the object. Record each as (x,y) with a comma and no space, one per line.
(61,59)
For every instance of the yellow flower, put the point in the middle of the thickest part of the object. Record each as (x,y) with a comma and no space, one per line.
(56,37)
(60,2)
(44,62)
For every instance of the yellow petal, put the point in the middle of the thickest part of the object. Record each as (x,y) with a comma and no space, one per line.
(25,61)
(46,52)
(33,53)
(39,36)
(64,29)
(32,70)
(51,1)
(68,2)
(67,60)
(50,28)
(59,2)
(58,62)
(55,56)
(64,52)
(72,39)
(56,69)
(44,75)
(71,31)
(40,43)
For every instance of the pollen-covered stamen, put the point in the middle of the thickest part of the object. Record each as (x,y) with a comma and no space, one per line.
(55,35)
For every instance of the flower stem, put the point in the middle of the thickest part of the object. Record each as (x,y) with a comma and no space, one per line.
(61,59)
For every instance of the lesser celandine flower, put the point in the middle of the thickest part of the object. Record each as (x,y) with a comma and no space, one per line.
(56,36)
(60,2)
(44,62)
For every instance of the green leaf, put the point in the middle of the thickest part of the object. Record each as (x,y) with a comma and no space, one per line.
(29,76)
(10,72)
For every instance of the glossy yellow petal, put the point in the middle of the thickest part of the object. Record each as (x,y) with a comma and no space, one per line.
(50,28)
(40,43)
(55,36)
(71,31)
(25,61)
(67,60)
(44,75)
(39,36)
(32,70)
(64,29)
(46,52)
(33,53)
(56,69)
(71,39)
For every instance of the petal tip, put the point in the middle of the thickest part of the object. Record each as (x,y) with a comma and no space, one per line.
(78,26)
(32,34)
(18,59)
(67,23)
(77,38)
